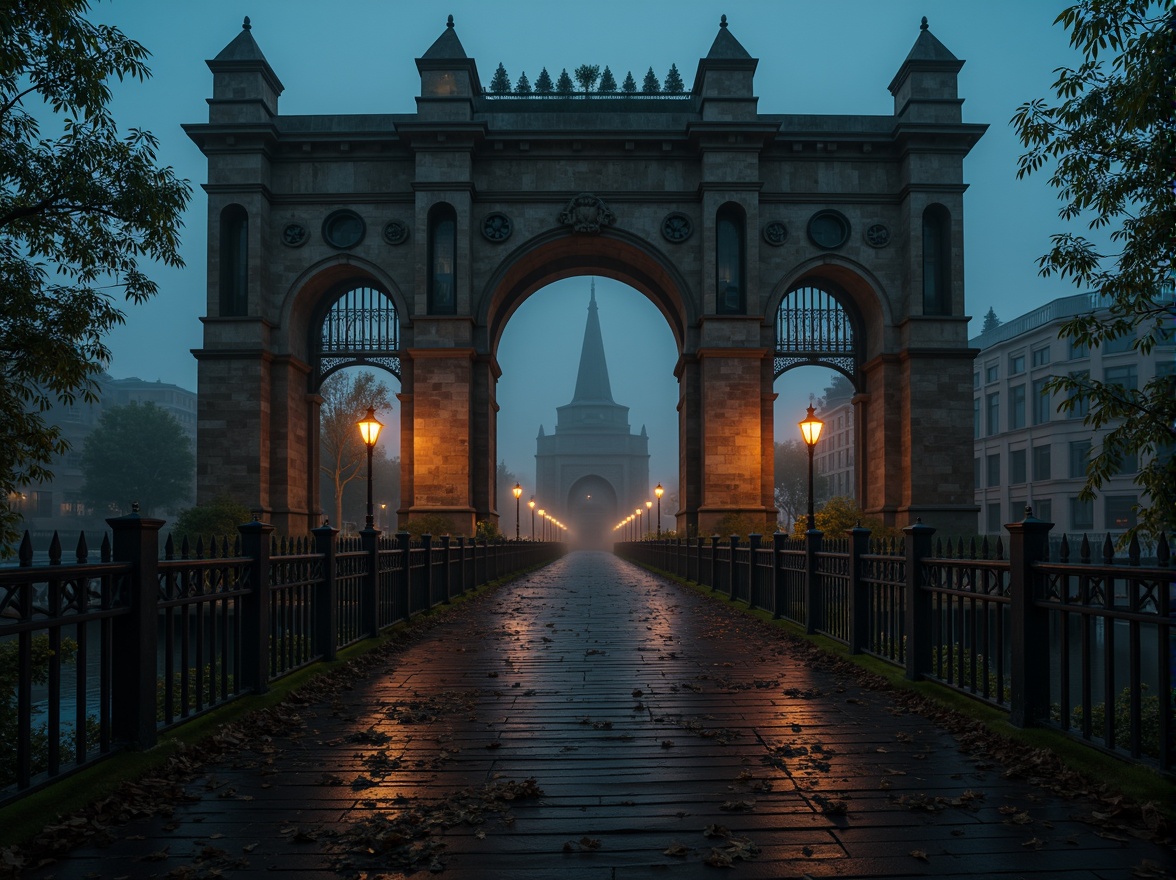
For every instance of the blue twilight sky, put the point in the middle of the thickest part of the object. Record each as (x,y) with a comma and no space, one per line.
(828,57)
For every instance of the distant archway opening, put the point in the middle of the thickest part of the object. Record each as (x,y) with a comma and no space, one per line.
(593,509)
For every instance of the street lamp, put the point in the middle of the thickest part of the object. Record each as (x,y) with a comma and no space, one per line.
(810,430)
(383,515)
(637,524)
(369,430)
(531,504)
(518,493)
(542,524)
(659,491)
(648,511)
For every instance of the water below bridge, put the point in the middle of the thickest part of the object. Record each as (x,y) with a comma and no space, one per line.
(591,720)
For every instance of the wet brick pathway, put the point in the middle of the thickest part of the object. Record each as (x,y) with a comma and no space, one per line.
(664,731)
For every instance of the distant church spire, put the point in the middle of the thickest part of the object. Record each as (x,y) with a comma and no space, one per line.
(592,383)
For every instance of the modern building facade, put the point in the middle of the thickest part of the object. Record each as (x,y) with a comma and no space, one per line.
(833,458)
(1028,452)
(592,471)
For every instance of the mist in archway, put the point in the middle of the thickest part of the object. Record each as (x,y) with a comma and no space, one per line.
(539,355)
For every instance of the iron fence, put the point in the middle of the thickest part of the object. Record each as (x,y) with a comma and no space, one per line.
(99,656)
(1084,645)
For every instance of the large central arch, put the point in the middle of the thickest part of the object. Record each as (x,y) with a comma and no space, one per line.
(458,212)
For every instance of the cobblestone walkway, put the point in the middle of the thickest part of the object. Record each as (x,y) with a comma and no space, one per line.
(592,721)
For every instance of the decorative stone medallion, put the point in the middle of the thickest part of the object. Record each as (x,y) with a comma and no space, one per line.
(676,227)
(395,232)
(343,229)
(775,233)
(295,235)
(877,236)
(587,213)
(828,229)
(496,227)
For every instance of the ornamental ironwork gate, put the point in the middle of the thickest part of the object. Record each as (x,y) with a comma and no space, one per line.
(360,328)
(813,328)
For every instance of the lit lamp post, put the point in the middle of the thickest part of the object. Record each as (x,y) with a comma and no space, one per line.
(648,512)
(542,524)
(518,493)
(383,515)
(637,524)
(531,504)
(369,430)
(659,491)
(810,430)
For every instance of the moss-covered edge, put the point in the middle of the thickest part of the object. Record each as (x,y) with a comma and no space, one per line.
(1134,782)
(23,819)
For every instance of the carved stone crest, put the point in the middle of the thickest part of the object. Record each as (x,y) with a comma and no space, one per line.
(587,213)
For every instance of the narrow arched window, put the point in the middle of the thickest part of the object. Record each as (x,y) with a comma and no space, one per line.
(730,298)
(442,260)
(936,261)
(234,261)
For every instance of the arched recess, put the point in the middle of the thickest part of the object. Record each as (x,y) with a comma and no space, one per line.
(234,261)
(936,260)
(612,253)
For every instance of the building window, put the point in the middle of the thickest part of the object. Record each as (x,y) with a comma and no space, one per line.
(993,413)
(936,261)
(1119,511)
(975,380)
(1128,465)
(1126,376)
(976,472)
(1079,458)
(1078,349)
(1016,364)
(729,248)
(993,470)
(992,372)
(1041,402)
(442,260)
(1017,472)
(234,261)
(1119,344)
(1016,407)
(1041,356)
(993,516)
(1043,508)
(1041,466)
(1081,401)
(1081,514)
(976,418)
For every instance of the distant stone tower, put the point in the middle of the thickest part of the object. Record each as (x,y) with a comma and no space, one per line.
(593,470)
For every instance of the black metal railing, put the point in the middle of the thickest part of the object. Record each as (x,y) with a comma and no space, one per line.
(98,656)
(1086,646)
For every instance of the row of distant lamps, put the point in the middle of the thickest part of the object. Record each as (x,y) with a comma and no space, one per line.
(545,518)
(633,520)
(369,430)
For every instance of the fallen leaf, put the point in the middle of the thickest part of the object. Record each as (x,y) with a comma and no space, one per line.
(920,855)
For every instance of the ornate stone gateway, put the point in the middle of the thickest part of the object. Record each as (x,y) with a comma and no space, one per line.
(407,241)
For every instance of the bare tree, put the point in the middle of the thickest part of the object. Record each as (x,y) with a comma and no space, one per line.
(346,398)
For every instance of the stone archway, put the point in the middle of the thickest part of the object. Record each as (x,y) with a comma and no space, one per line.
(711,209)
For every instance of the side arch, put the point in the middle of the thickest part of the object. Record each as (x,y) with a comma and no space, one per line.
(304,298)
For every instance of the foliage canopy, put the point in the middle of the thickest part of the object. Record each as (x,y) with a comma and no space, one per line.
(82,206)
(1106,140)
